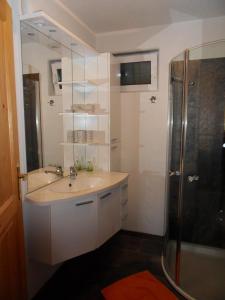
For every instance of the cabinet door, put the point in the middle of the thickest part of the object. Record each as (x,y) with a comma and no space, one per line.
(109,214)
(124,203)
(74,228)
(115,112)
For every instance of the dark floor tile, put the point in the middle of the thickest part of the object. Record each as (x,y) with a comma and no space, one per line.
(126,242)
(126,253)
(152,246)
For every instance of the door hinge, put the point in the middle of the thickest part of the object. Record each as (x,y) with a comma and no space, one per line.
(22,176)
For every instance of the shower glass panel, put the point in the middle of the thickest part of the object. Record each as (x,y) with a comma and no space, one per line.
(194,253)
(176,102)
(203,226)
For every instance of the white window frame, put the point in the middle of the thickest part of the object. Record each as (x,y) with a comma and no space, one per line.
(150,56)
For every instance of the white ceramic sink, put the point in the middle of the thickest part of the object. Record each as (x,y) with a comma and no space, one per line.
(79,184)
(40,178)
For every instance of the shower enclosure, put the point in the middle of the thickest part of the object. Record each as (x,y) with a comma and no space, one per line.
(194,253)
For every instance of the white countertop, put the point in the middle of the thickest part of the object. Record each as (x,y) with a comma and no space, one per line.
(47,195)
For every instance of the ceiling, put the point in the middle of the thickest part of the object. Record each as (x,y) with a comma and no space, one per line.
(112,15)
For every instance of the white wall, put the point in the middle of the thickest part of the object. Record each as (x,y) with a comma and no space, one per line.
(144,125)
(143,157)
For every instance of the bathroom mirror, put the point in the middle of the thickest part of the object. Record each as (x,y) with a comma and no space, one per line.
(48,71)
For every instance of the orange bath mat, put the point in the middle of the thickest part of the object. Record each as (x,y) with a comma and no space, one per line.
(140,286)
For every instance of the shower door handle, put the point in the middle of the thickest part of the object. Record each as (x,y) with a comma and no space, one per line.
(192,178)
(174,173)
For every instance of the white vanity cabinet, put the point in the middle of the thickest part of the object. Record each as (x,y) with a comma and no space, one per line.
(62,230)
(109,214)
(73,228)
(58,230)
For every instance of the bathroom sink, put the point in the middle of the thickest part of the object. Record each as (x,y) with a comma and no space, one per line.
(79,184)
(40,178)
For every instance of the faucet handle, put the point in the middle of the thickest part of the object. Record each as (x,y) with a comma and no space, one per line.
(59,170)
(73,171)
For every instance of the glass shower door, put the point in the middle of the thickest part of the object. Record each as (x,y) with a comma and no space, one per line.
(176,106)
(202,265)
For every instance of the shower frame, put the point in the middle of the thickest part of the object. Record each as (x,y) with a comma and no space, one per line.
(184,123)
(179,173)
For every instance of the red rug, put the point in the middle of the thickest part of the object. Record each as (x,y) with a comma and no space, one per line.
(140,286)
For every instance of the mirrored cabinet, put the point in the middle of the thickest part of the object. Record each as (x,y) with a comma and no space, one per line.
(71,98)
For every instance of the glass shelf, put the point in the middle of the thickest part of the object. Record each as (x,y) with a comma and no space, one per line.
(84,82)
(84,144)
(81,114)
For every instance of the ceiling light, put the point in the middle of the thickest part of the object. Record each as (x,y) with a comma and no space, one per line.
(54,46)
(40,24)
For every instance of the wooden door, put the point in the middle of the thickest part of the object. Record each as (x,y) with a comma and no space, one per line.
(12,258)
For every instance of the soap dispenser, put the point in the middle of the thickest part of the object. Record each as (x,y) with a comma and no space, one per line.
(78,165)
(90,166)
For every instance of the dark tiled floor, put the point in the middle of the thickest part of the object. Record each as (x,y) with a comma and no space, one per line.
(126,253)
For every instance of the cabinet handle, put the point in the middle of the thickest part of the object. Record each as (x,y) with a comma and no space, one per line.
(124,202)
(124,186)
(114,147)
(124,217)
(114,140)
(105,196)
(84,203)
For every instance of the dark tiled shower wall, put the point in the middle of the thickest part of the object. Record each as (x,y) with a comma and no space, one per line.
(203,201)
(191,165)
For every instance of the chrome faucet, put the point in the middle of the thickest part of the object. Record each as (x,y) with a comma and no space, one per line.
(73,172)
(58,171)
